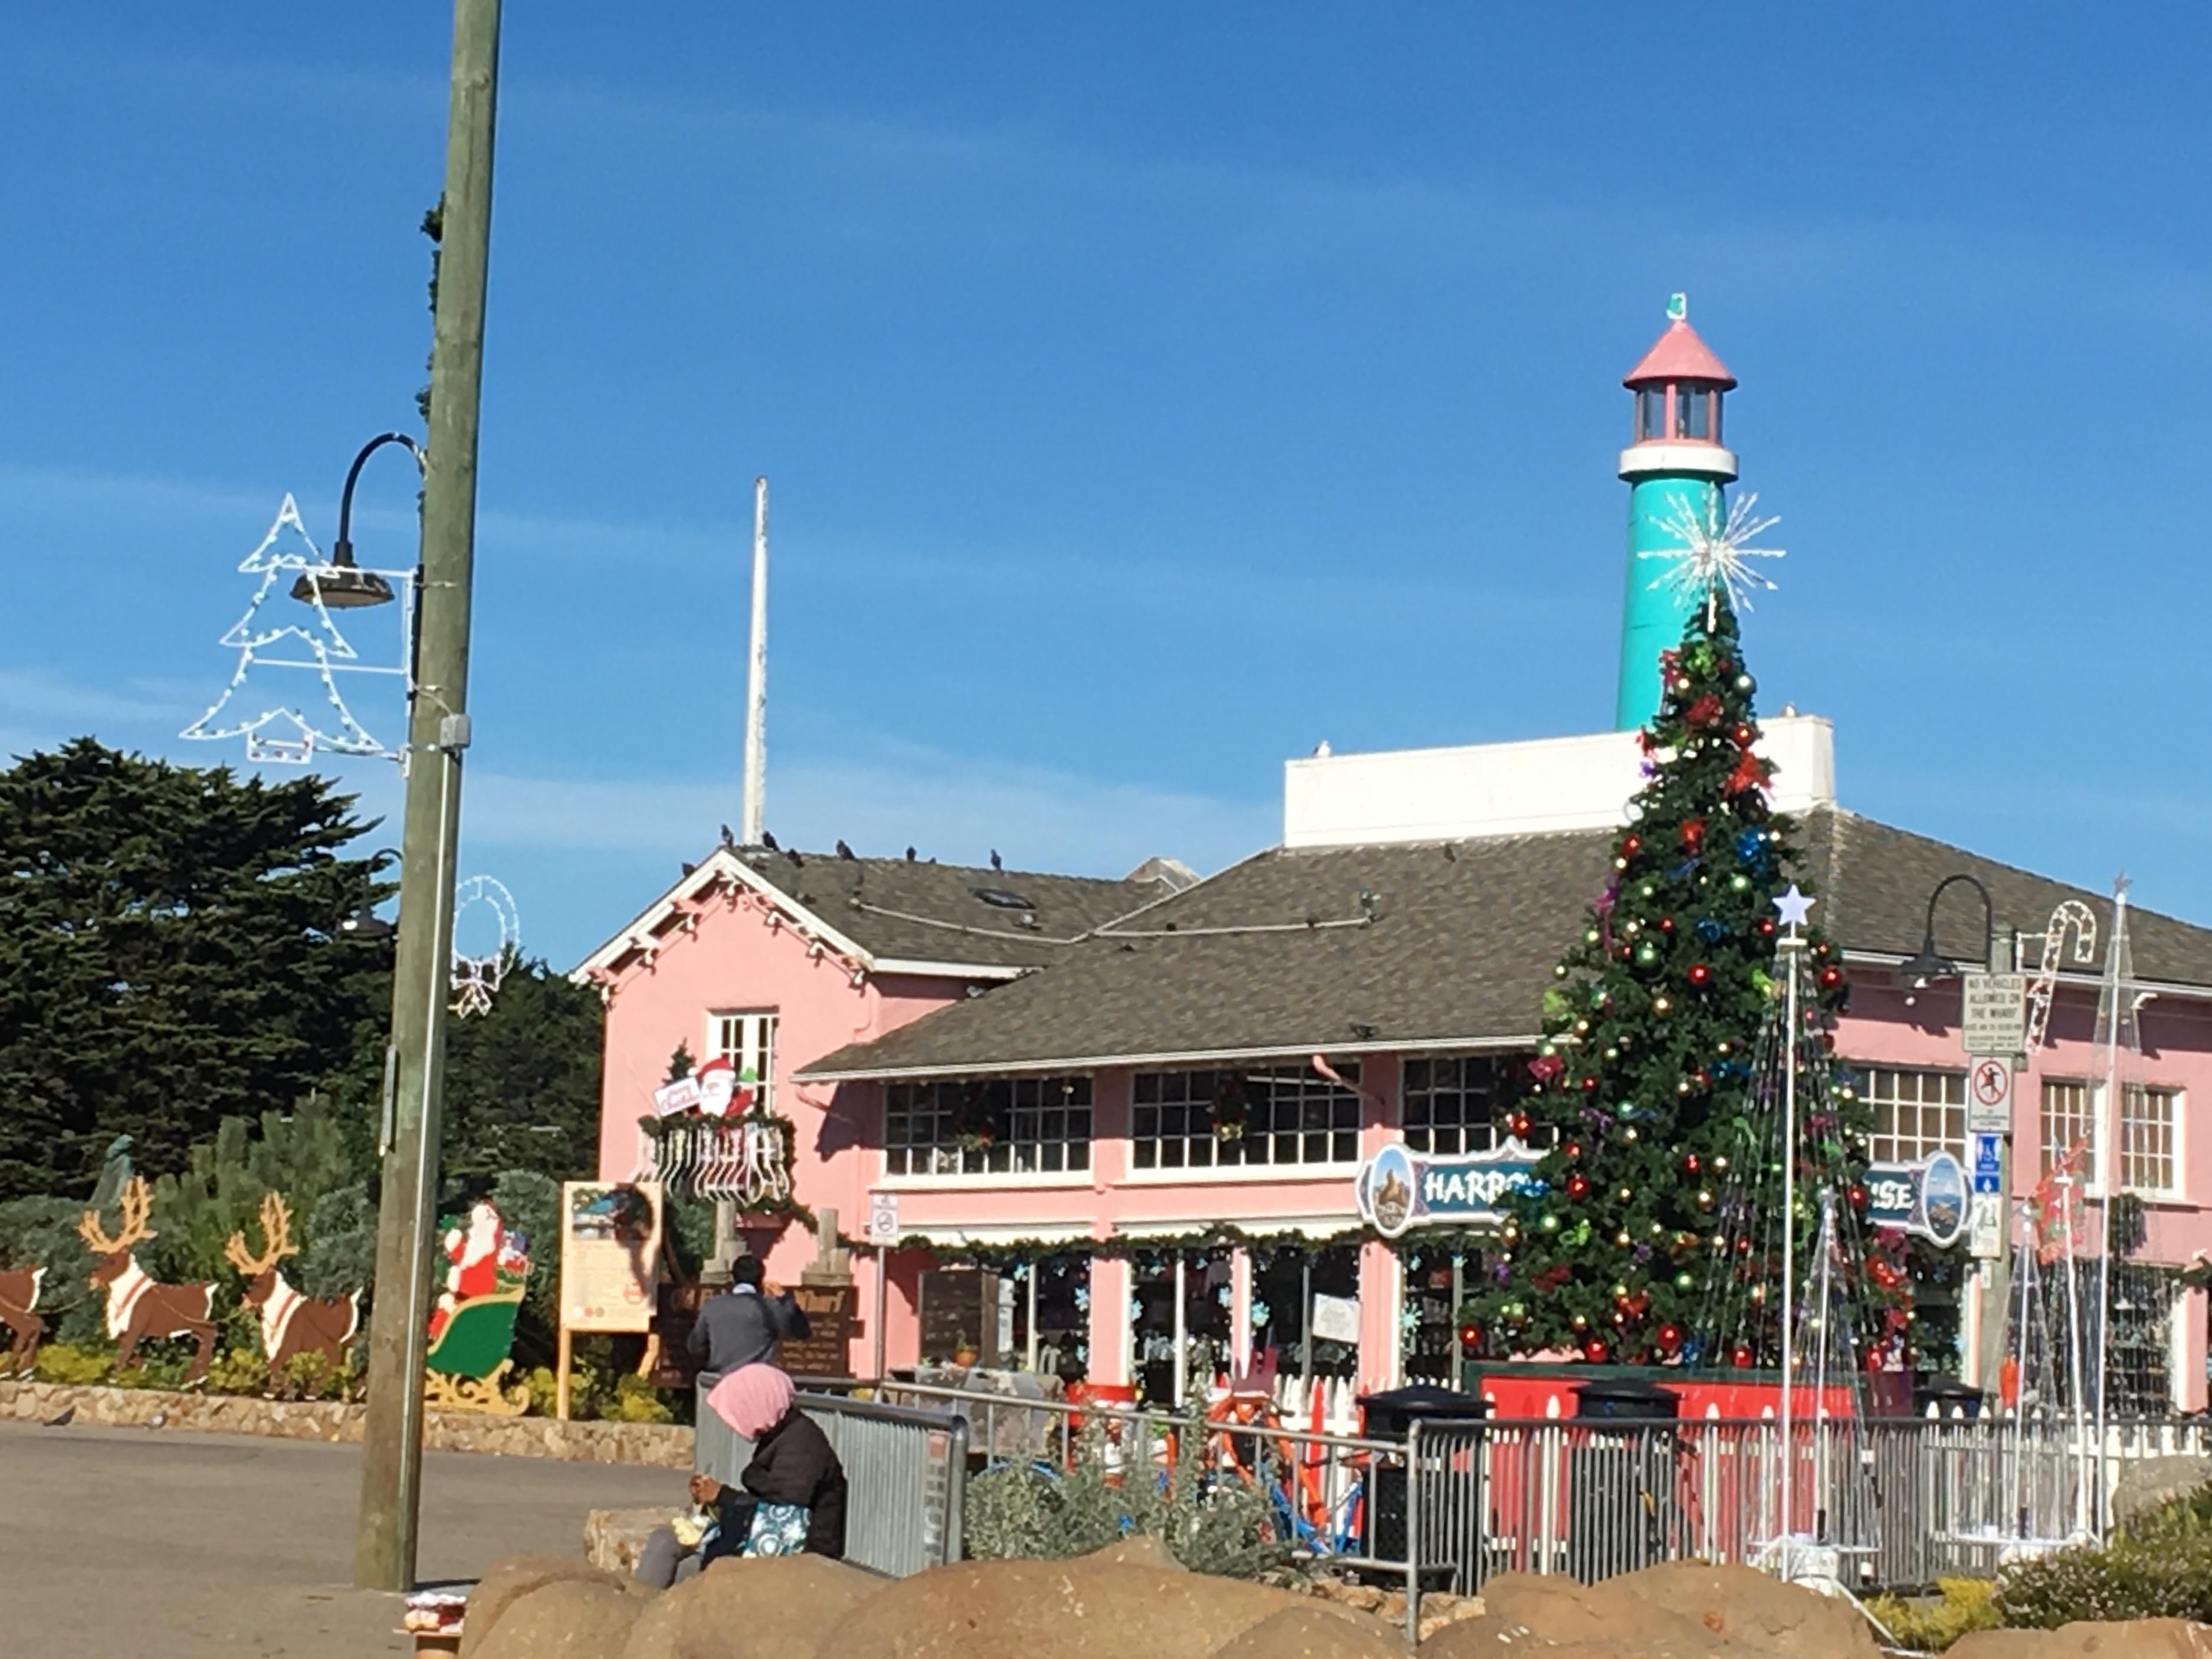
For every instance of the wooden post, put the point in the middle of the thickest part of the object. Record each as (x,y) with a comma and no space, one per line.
(561,1360)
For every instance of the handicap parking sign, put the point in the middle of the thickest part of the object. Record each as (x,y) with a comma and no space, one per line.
(1989,1164)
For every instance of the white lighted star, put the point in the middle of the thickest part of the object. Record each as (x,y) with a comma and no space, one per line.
(1714,550)
(1794,906)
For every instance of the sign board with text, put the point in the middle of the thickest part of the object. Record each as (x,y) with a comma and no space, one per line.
(609,1255)
(1398,1188)
(1988,1155)
(1993,1013)
(1928,1198)
(1988,1095)
(1985,1228)
(826,1349)
(882,1217)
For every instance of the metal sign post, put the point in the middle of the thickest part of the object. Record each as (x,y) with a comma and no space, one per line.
(1993,1029)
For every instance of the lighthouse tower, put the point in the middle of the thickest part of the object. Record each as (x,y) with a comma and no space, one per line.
(1676,460)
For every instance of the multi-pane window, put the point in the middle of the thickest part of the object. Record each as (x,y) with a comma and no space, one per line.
(2148,1120)
(1227,1118)
(747,1040)
(1915,1113)
(1003,1126)
(2069,1121)
(1461,1104)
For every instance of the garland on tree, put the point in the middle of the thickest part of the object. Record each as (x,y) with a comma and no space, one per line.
(1640,1102)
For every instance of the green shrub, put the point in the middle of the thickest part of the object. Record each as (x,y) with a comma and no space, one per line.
(637,1400)
(2130,1578)
(1964,1604)
(69,1362)
(1210,1525)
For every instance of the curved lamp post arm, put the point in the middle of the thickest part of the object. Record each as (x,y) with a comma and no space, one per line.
(343,552)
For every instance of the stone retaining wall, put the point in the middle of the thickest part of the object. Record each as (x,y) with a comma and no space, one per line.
(655,1445)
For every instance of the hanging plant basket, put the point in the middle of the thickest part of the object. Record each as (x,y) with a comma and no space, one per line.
(976,1126)
(1231,1110)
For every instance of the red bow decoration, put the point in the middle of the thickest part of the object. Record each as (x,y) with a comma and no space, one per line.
(1750,774)
(1705,711)
(1693,834)
(1545,1068)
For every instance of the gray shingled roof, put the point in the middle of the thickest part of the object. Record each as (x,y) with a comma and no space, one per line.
(1460,947)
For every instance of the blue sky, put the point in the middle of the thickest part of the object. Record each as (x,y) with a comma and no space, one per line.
(1146,395)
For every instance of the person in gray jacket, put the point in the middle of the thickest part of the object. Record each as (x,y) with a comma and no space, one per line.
(742,1326)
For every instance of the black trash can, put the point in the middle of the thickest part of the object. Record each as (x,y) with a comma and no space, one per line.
(1387,1416)
(1948,1394)
(1621,1509)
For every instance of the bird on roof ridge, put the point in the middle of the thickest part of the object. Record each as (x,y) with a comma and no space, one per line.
(996,862)
(844,851)
(768,842)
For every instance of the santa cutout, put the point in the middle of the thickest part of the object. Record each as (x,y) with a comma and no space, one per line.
(474,1253)
(724,1091)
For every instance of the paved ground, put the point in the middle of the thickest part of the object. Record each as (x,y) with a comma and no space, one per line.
(132,1543)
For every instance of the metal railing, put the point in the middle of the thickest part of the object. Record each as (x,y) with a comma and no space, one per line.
(1876,1504)
(906,1475)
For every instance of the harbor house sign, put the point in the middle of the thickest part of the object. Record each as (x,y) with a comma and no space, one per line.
(1398,1189)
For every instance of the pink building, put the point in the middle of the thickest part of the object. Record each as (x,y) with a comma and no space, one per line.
(1112,1128)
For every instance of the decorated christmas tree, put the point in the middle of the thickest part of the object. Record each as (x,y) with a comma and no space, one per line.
(1652,1215)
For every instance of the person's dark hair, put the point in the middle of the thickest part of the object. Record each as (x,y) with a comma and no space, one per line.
(746,1270)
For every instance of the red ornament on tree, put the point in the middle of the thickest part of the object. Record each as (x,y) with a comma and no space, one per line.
(1631,845)
(1595,1350)
(1690,1163)
(1705,711)
(1743,1356)
(1470,1337)
(1574,1148)
(1856,1195)
(1693,834)
(1666,924)
(1744,736)
(1700,976)
(1830,978)
(1750,773)
(1579,1186)
(1520,1123)
(1670,1338)
(1767,928)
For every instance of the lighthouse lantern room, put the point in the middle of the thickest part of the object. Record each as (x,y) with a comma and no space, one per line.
(1675,461)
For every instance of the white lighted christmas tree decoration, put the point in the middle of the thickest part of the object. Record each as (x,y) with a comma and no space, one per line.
(282,732)
(476,979)
(1716,549)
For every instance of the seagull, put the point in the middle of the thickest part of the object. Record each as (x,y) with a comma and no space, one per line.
(997,863)
(910,855)
(1321,750)
(728,838)
(768,842)
(62,1421)
(845,851)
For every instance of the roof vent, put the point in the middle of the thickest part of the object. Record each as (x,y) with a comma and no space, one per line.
(999,899)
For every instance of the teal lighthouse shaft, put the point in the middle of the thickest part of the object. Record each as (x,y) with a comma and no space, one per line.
(1676,465)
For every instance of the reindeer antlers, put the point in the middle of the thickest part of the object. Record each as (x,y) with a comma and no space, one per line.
(136,1203)
(275,1239)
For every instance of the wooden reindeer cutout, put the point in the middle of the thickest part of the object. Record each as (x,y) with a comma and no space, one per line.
(19,1298)
(291,1324)
(138,1307)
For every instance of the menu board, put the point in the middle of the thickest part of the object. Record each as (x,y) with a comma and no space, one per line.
(959,1309)
(609,1255)
(826,1349)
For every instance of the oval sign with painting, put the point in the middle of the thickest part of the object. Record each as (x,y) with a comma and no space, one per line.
(1943,1201)
(1386,1191)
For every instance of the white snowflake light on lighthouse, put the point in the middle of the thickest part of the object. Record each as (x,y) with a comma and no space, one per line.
(1714,551)
(283,732)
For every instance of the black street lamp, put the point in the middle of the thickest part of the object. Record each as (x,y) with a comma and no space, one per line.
(1928,963)
(365,924)
(342,585)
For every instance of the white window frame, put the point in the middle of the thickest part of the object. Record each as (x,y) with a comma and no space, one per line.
(746,1037)
(1041,1147)
(1490,1085)
(2091,1098)
(1871,1075)
(1202,1155)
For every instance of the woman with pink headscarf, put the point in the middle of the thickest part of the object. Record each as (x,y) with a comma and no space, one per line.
(791,1498)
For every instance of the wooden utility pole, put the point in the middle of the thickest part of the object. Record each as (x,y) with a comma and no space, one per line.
(437,735)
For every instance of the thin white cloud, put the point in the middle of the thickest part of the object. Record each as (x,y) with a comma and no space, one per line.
(949,807)
(48,699)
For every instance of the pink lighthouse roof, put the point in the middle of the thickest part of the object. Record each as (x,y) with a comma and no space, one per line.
(1679,356)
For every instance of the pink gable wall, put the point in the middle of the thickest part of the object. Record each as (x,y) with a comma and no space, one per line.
(738,956)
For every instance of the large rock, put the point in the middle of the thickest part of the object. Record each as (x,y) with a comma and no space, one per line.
(1683,1610)
(511,1579)
(1144,1550)
(2136,1638)
(1054,1610)
(613,1539)
(1744,1606)
(1311,1632)
(568,1618)
(776,1607)
(2151,1482)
